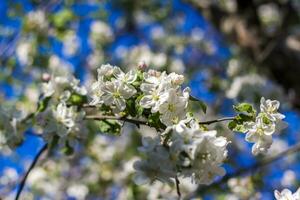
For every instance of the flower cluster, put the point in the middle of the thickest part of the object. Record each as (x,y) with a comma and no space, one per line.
(162,93)
(260,132)
(158,91)
(61,86)
(200,153)
(113,87)
(61,117)
(65,122)
(182,148)
(188,152)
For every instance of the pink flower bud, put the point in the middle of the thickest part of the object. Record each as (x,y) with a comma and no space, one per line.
(142,66)
(46,77)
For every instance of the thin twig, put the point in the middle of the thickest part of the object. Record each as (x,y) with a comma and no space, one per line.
(246,171)
(23,181)
(125,119)
(217,120)
(178,187)
(137,121)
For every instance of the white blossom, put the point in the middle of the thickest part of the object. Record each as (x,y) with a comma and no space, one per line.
(25,51)
(37,19)
(198,154)
(245,85)
(173,108)
(260,133)
(287,195)
(153,89)
(100,33)
(289,178)
(127,78)
(64,121)
(113,87)
(156,87)
(105,71)
(78,191)
(10,127)
(115,93)
(157,166)
(65,115)
(207,153)
(71,44)
(58,84)
(270,108)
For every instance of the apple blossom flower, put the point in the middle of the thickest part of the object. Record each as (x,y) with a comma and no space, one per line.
(157,166)
(126,78)
(116,94)
(173,108)
(260,133)
(270,108)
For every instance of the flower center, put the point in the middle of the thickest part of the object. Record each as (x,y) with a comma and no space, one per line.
(171,107)
(116,95)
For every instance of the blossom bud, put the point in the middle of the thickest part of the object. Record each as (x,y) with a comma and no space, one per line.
(178,80)
(142,65)
(46,77)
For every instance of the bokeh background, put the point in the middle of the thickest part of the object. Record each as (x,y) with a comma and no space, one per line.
(229,51)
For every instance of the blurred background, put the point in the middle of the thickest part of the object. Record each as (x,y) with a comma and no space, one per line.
(229,51)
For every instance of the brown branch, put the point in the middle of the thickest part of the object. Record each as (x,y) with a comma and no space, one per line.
(143,122)
(217,120)
(178,187)
(35,160)
(246,171)
(125,119)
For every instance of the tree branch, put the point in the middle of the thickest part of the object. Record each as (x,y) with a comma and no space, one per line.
(248,170)
(217,120)
(23,181)
(125,119)
(138,122)
(178,187)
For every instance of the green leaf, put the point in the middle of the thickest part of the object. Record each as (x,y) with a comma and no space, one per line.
(238,124)
(232,125)
(240,128)
(154,121)
(130,107)
(77,99)
(139,109)
(245,107)
(241,118)
(68,150)
(110,127)
(61,18)
(43,104)
(201,103)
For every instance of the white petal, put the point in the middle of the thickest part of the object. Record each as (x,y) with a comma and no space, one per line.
(120,103)
(147,101)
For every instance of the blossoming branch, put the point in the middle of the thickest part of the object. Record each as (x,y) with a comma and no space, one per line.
(184,146)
